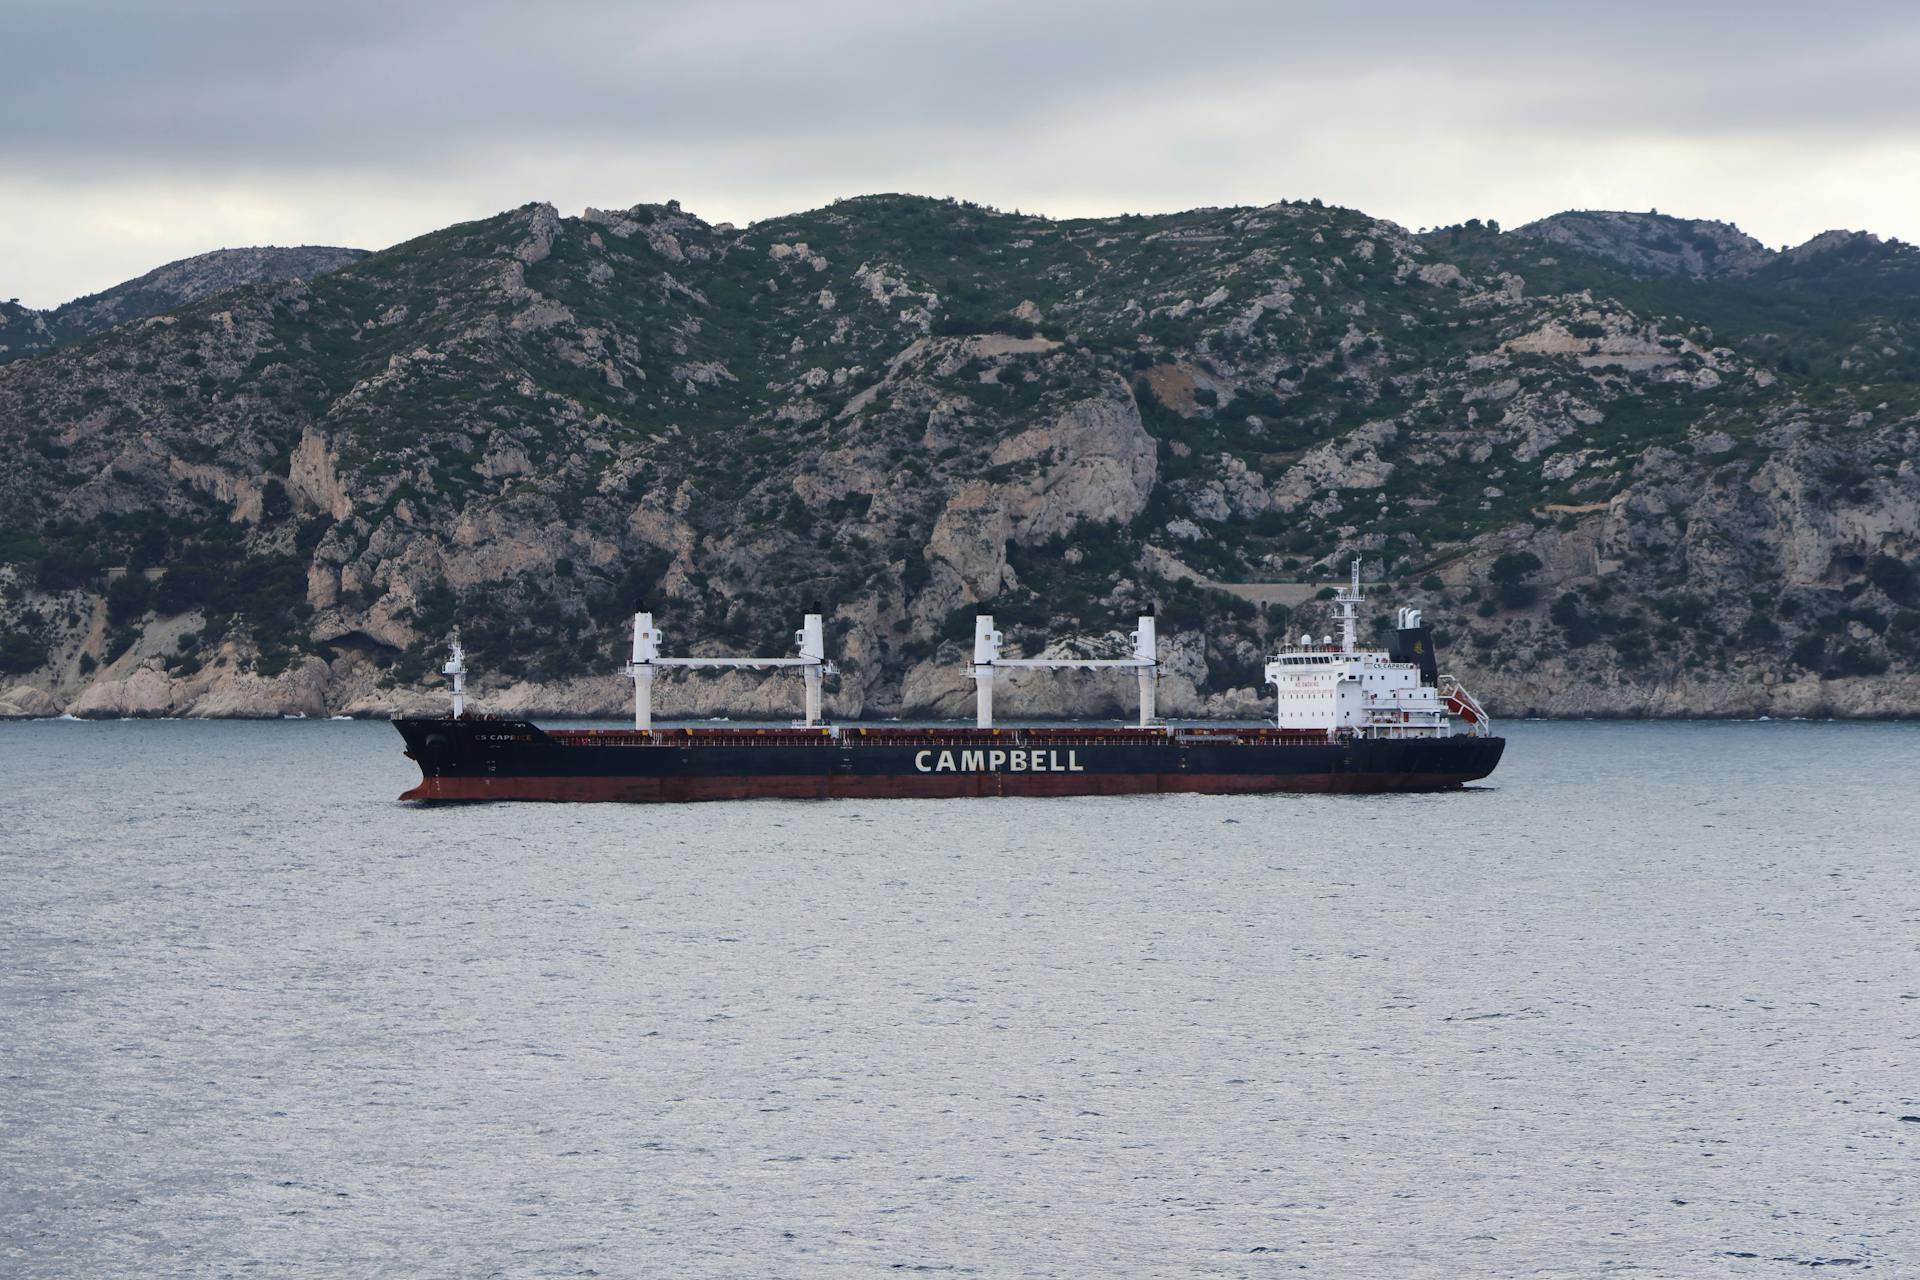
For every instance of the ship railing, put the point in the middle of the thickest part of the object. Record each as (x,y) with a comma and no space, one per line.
(795,737)
(1408,722)
(853,737)
(1256,735)
(938,737)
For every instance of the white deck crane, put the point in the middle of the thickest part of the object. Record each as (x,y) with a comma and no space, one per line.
(987,659)
(810,640)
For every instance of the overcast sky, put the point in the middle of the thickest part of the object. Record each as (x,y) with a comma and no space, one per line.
(134,133)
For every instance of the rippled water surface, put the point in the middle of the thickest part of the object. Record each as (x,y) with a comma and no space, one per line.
(1647,1005)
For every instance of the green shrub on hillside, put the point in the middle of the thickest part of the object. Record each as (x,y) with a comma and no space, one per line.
(21,652)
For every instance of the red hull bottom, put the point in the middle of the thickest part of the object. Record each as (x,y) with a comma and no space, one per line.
(872,787)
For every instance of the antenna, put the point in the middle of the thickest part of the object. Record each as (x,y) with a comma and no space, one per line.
(1346,604)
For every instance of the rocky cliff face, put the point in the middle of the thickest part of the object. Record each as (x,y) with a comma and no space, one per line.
(24,332)
(282,498)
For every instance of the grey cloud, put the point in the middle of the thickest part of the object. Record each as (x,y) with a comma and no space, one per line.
(362,121)
(364,85)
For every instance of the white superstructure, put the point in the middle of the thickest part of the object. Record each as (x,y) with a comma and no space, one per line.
(1342,689)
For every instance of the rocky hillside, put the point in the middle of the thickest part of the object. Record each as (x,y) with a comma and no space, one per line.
(24,332)
(1617,492)
(1654,244)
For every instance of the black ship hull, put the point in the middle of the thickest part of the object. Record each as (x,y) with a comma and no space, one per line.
(487,759)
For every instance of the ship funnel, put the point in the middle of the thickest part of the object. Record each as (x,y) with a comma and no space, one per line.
(1413,644)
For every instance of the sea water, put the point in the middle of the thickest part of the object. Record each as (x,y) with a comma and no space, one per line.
(1646,1003)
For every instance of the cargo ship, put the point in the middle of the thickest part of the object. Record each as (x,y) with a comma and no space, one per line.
(1347,719)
